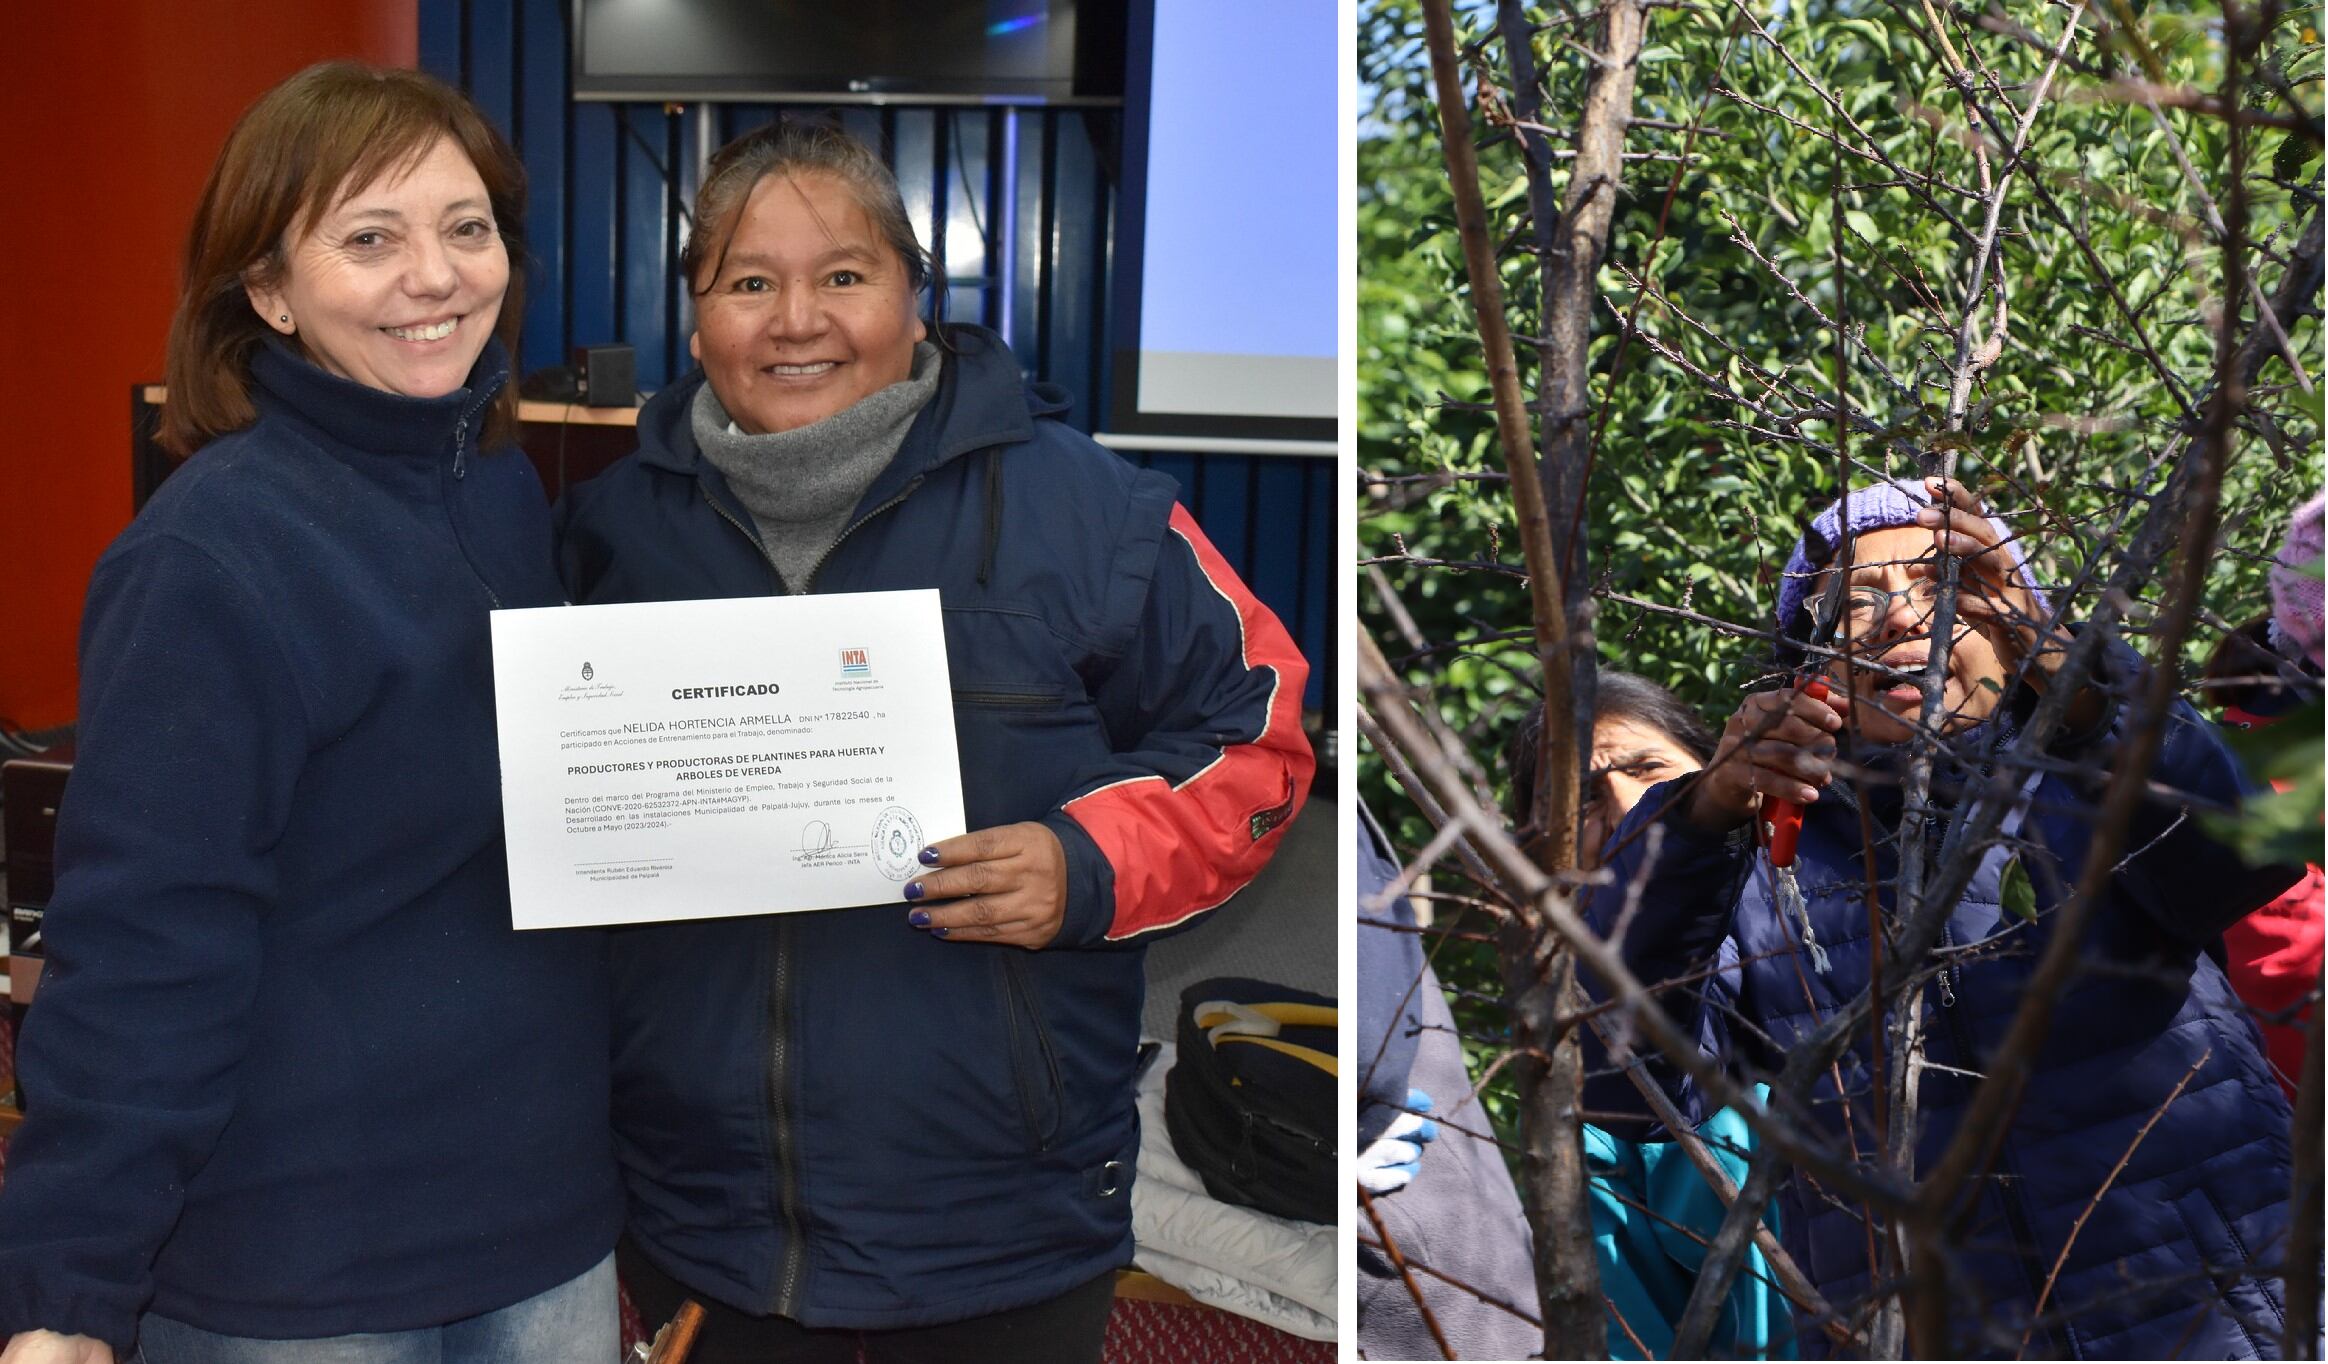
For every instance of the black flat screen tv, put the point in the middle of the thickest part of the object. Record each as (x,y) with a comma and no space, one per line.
(850,51)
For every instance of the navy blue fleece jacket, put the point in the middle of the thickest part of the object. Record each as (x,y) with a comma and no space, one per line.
(291,1073)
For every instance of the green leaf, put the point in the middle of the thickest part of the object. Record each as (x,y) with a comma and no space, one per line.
(2015,890)
(1861,225)
(2295,152)
(1869,29)
(2283,826)
(2284,750)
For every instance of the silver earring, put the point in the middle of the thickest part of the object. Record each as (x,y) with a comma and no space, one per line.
(283,317)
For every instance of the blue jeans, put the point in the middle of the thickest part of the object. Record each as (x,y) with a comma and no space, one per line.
(574,1323)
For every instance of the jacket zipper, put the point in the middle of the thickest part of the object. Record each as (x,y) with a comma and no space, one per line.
(775,578)
(788,1275)
(785,1155)
(785,1158)
(461,428)
(1010,700)
(1021,1001)
(1947,943)
(787,1162)
(902,494)
(2009,1186)
(461,474)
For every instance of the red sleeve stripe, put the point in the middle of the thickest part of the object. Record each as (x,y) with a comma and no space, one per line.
(1181,849)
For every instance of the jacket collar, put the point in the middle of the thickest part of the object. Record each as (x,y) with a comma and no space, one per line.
(359,417)
(983,400)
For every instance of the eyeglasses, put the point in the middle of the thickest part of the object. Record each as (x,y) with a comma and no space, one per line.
(1866,607)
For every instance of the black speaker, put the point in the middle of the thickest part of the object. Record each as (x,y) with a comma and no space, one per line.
(608,376)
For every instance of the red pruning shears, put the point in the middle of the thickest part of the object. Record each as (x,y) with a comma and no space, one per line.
(1782,827)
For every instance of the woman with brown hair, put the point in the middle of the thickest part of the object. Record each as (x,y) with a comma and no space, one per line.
(296,1089)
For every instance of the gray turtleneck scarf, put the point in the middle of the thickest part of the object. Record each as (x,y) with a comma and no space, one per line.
(801,485)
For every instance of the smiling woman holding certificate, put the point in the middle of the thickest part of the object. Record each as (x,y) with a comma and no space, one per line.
(913,1127)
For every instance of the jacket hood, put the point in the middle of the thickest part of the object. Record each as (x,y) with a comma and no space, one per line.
(983,399)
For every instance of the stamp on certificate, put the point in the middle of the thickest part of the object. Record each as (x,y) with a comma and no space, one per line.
(897,843)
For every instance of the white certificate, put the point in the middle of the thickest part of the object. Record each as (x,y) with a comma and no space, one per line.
(701,759)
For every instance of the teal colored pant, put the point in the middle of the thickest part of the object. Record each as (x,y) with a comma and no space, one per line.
(1648,1265)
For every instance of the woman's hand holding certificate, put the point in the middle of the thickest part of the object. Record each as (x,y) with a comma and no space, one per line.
(1001,885)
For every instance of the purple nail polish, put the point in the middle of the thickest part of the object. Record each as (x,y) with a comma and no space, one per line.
(913,890)
(929,857)
(920,918)
(939,931)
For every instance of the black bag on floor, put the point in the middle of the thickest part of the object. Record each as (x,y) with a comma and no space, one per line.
(1250,1099)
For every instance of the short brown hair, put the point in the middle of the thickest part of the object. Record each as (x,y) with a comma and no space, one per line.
(305,146)
(791,147)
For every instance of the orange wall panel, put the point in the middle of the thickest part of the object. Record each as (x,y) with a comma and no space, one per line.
(113,112)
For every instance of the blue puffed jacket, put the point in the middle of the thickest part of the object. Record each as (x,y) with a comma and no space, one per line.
(290,1072)
(832,1115)
(2203,1200)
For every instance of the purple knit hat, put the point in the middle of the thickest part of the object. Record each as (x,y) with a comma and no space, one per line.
(2295,596)
(1878,506)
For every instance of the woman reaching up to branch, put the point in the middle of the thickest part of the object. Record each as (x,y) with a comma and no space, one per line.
(2135,1204)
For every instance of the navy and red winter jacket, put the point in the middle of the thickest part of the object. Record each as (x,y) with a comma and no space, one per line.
(2181,1256)
(831,1115)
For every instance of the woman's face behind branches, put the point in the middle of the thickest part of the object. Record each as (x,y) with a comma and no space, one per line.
(1628,757)
(1891,600)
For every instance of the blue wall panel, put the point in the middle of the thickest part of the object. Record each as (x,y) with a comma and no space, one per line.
(642,156)
(541,131)
(1017,205)
(441,42)
(1316,609)
(491,60)
(680,301)
(964,196)
(1029,241)
(1274,531)
(592,264)
(1074,286)
(1224,504)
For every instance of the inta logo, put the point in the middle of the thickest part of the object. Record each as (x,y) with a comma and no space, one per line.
(854,664)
